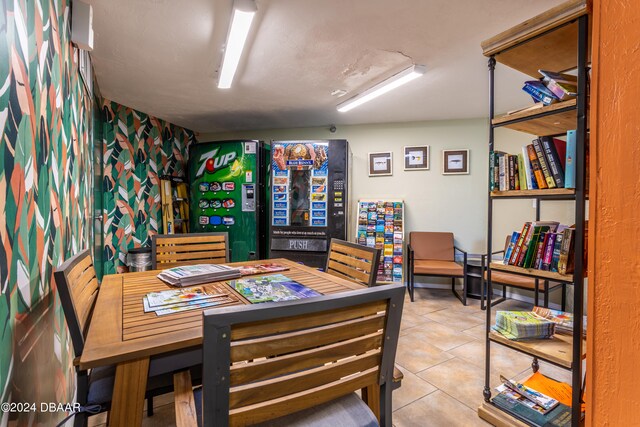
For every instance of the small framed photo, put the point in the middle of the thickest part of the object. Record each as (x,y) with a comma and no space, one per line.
(455,162)
(416,158)
(381,164)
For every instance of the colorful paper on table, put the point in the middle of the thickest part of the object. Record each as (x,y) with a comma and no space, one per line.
(271,289)
(192,305)
(173,296)
(555,389)
(247,270)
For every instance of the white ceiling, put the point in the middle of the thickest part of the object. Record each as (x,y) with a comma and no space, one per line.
(162,57)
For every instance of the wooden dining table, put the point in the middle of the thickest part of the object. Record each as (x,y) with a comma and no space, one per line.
(121,333)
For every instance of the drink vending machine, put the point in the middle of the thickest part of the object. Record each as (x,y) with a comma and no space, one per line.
(228,192)
(310,198)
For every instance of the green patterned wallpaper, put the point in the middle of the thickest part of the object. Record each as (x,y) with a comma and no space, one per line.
(138,149)
(44,195)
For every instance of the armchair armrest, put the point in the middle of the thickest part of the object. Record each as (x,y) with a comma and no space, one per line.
(464,253)
(485,256)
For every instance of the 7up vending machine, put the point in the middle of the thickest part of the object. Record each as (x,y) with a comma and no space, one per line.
(228,192)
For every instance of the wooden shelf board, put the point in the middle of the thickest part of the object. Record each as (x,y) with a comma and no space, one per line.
(532,272)
(498,418)
(535,193)
(544,121)
(557,349)
(531,45)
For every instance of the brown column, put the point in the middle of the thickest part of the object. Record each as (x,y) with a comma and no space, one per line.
(613,350)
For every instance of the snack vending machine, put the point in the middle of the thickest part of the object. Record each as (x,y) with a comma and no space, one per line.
(310,198)
(228,192)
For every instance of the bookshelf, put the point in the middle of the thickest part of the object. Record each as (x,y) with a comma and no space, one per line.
(556,40)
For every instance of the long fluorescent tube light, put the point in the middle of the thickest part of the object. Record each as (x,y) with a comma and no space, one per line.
(389,84)
(243,13)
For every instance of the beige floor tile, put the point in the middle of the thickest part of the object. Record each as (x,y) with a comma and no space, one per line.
(437,410)
(478,332)
(415,354)
(410,320)
(459,379)
(455,319)
(438,335)
(504,361)
(412,389)
(164,416)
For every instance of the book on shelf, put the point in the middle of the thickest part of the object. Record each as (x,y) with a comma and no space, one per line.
(553,160)
(563,86)
(523,408)
(547,258)
(570,162)
(535,167)
(512,172)
(555,257)
(544,165)
(189,275)
(544,238)
(522,325)
(529,179)
(271,289)
(522,179)
(518,246)
(539,92)
(512,243)
(567,249)
(562,319)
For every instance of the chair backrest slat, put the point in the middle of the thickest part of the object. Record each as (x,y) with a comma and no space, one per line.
(171,250)
(353,262)
(266,361)
(428,245)
(78,288)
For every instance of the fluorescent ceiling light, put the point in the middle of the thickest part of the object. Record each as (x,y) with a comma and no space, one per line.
(391,83)
(243,13)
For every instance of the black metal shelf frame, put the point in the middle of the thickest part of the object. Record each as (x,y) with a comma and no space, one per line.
(579,197)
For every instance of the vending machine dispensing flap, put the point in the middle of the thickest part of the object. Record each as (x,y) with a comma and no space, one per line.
(302,244)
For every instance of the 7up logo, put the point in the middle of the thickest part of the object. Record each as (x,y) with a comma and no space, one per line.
(213,163)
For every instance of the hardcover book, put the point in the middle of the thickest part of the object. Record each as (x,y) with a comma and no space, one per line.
(548,252)
(522,173)
(570,162)
(512,243)
(553,159)
(528,173)
(566,262)
(518,247)
(539,92)
(544,165)
(535,167)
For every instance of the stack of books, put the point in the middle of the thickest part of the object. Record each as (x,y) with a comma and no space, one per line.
(545,163)
(542,245)
(553,87)
(190,275)
(540,401)
(562,319)
(523,325)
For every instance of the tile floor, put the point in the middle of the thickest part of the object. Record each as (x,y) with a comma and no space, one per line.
(441,353)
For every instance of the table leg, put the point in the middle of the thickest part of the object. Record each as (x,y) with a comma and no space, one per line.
(128,393)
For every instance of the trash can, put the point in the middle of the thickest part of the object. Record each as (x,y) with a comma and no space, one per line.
(139,259)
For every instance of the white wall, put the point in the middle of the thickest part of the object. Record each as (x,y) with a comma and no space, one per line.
(434,202)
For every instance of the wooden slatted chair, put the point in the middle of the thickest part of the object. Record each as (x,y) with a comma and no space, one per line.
(353,262)
(297,363)
(171,250)
(78,288)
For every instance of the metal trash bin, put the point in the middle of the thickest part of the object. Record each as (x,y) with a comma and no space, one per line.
(139,259)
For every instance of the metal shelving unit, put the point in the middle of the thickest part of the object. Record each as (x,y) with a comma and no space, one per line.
(556,40)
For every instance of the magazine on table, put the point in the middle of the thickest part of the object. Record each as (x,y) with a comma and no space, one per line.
(273,288)
(177,300)
(248,270)
(189,275)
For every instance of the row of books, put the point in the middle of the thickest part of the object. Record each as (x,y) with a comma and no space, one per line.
(553,87)
(542,245)
(545,163)
(539,400)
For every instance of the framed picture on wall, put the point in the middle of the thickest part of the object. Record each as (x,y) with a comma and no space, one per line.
(455,162)
(381,164)
(416,158)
